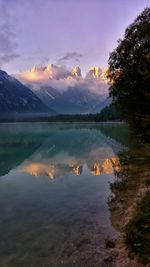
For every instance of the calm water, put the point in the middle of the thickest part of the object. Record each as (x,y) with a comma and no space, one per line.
(54,190)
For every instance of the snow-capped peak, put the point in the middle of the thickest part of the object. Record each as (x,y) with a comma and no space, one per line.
(76,72)
(94,72)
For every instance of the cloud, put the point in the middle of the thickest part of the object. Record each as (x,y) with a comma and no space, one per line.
(70,56)
(49,72)
(8,40)
(61,78)
(56,76)
(5,58)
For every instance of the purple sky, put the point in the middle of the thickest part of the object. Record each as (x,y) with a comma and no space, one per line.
(67,32)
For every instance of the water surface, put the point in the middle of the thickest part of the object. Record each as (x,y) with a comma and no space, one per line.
(54,191)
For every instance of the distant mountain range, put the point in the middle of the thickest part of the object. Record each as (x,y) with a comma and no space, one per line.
(53,89)
(74,100)
(15,98)
(66,91)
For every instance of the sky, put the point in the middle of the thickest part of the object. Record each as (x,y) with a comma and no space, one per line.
(62,32)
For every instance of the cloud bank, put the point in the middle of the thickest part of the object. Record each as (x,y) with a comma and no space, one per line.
(60,77)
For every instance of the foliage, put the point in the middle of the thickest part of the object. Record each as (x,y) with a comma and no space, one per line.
(137,231)
(129,74)
(108,113)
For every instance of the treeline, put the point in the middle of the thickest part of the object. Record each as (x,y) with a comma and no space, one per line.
(107,114)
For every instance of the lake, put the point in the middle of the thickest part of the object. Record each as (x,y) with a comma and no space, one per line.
(54,192)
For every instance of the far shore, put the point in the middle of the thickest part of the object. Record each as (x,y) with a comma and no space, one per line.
(57,122)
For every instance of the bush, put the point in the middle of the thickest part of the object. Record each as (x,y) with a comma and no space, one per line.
(137,231)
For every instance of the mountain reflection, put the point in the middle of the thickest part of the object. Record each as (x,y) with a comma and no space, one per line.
(38,169)
(108,166)
(61,163)
(59,150)
(77,170)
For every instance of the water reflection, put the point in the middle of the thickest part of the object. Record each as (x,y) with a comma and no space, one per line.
(108,166)
(54,192)
(70,150)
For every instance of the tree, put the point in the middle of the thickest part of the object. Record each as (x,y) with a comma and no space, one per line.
(108,113)
(129,74)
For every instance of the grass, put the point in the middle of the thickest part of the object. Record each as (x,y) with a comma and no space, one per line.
(137,231)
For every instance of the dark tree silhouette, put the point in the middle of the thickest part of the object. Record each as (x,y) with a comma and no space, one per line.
(129,74)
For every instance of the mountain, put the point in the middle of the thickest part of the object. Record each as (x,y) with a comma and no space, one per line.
(76,72)
(54,72)
(94,72)
(17,98)
(74,100)
(67,91)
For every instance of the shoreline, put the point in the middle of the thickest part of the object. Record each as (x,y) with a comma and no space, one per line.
(65,122)
(122,208)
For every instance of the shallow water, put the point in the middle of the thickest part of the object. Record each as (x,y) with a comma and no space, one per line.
(54,191)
